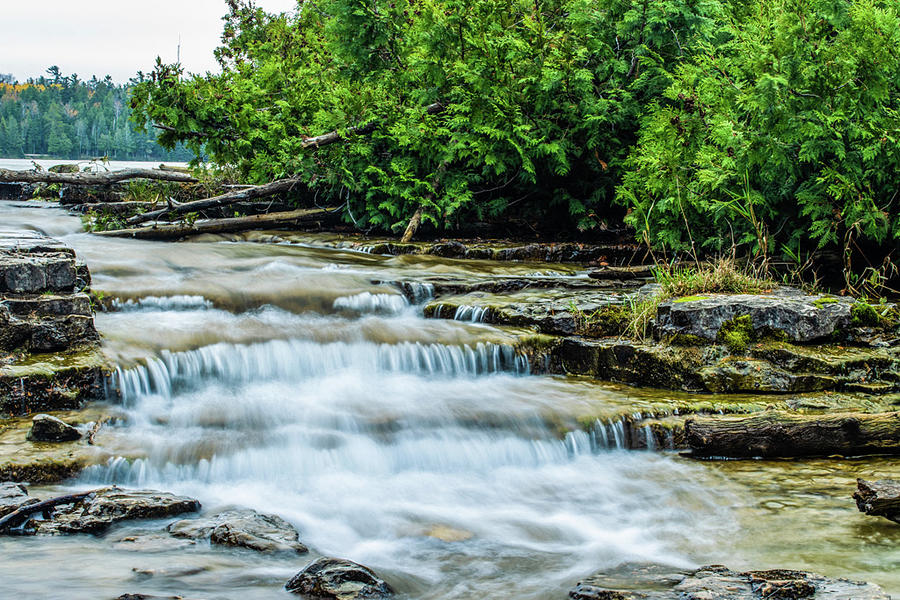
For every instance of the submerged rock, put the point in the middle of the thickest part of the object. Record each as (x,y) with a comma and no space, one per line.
(242,528)
(99,511)
(46,428)
(338,579)
(720,583)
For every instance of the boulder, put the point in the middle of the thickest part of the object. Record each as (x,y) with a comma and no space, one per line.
(796,316)
(46,428)
(242,528)
(720,583)
(338,579)
(99,511)
(13,496)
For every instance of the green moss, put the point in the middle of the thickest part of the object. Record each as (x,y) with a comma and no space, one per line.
(863,314)
(606,321)
(537,341)
(822,302)
(690,299)
(737,334)
(685,339)
(48,365)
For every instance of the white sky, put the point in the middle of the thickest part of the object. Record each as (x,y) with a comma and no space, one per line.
(115,37)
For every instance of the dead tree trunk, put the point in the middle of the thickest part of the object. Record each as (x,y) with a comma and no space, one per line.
(414,223)
(878,498)
(19,516)
(271,221)
(251,193)
(779,434)
(7,176)
(416,219)
(326,139)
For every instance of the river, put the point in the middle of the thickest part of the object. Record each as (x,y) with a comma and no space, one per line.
(284,378)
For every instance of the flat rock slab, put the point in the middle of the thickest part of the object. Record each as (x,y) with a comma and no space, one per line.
(31,242)
(242,528)
(720,583)
(338,579)
(800,317)
(98,512)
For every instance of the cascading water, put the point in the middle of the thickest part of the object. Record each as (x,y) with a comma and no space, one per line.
(281,378)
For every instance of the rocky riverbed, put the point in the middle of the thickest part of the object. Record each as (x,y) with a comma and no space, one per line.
(316,434)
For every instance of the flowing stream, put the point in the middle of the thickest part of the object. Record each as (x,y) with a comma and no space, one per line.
(281,378)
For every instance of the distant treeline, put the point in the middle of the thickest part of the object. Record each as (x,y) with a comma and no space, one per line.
(65,117)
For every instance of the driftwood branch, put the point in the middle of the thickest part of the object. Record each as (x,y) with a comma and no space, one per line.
(21,515)
(251,193)
(414,223)
(7,176)
(271,221)
(333,136)
(779,434)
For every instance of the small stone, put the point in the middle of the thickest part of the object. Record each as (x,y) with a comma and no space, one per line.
(47,428)
(448,534)
(338,579)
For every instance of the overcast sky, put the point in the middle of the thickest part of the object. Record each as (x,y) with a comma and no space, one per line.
(115,37)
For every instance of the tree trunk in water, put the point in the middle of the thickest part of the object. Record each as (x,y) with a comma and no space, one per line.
(7,176)
(271,220)
(779,434)
(19,516)
(878,498)
(251,193)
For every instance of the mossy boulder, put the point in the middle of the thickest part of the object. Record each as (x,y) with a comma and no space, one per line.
(793,315)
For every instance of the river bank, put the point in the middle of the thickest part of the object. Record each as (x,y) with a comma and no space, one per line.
(301,379)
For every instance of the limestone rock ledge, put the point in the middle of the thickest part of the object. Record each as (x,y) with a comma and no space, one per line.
(49,356)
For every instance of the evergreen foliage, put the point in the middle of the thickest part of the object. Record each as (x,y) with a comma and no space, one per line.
(65,117)
(772,123)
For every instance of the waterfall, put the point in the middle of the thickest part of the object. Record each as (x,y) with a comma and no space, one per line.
(162,303)
(471,314)
(367,302)
(296,360)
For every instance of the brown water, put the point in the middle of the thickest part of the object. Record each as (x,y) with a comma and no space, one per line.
(281,378)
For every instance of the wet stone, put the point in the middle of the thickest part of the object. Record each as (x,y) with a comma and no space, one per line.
(13,496)
(338,579)
(97,512)
(36,273)
(242,528)
(46,428)
(720,583)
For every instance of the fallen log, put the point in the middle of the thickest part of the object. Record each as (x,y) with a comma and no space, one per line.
(230,225)
(21,515)
(878,498)
(7,176)
(332,137)
(251,193)
(780,434)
